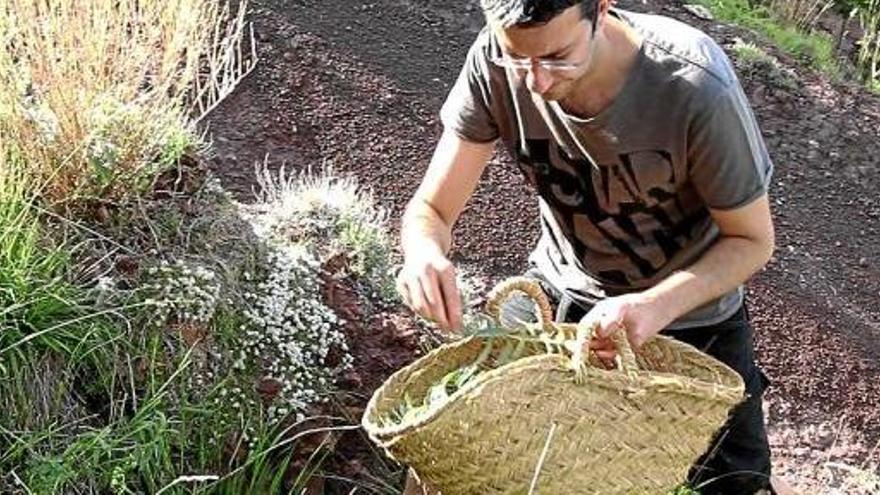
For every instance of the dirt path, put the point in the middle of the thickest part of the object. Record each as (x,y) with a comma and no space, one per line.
(356,86)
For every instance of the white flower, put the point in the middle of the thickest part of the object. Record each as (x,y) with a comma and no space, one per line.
(289,330)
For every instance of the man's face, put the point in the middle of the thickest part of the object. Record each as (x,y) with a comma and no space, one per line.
(563,43)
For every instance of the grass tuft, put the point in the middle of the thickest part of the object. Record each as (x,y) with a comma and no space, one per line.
(814,49)
(97,94)
(334,217)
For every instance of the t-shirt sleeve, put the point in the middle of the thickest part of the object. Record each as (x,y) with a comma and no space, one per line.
(728,160)
(467,110)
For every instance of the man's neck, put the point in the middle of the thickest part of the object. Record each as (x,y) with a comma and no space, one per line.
(616,51)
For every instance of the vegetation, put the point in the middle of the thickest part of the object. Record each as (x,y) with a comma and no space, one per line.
(814,49)
(791,25)
(751,61)
(868,60)
(96,115)
(155,335)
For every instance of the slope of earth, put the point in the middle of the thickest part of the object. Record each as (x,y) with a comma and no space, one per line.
(356,86)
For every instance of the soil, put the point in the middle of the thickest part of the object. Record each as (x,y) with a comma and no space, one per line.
(356,87)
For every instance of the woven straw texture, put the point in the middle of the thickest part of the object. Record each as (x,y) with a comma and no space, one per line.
(540,424)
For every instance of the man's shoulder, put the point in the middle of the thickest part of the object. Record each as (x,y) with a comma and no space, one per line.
(480,55)
(485,46)
(684,53)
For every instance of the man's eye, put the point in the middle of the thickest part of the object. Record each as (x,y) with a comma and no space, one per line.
(561,55)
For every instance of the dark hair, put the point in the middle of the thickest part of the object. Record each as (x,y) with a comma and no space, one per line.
(524,13)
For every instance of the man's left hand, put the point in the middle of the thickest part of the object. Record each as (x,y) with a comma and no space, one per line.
(638,313)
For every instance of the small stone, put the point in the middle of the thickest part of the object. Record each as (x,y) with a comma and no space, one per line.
(863,262)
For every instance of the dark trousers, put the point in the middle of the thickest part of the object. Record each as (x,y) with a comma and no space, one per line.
(738,461)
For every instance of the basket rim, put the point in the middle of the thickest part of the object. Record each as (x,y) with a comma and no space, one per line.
(641,380)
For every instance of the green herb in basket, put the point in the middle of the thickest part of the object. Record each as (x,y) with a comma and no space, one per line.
(502,345)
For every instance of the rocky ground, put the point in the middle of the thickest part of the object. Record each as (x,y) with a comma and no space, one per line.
(356,86)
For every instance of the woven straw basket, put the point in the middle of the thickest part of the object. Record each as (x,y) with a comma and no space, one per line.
(540,425)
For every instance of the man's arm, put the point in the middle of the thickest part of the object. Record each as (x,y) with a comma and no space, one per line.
(744,246)
(427,279)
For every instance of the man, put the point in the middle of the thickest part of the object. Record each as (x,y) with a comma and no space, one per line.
(652,178)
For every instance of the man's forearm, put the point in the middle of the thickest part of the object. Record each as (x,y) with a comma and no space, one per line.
(727,264)
(422,229)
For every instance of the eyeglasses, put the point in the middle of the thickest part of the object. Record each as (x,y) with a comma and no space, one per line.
(520,64)
(524,64)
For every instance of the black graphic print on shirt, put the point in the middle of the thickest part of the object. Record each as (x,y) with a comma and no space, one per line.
(618,200)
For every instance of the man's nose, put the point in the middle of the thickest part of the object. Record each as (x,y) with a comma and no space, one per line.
(539,78)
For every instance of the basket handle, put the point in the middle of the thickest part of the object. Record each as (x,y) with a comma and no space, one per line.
(626,358)
(527,286)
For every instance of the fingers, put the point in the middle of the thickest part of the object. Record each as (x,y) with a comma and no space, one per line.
(604,348)
(434,303)
(610,321)
(428,287)
(608,316)
(452,297)
(419,301)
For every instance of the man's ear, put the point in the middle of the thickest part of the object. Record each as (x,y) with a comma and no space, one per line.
(603,6)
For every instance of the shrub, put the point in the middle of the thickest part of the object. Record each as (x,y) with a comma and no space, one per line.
(96,94)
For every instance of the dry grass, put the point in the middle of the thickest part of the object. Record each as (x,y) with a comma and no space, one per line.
(802,14)
(90,113)
(868,58)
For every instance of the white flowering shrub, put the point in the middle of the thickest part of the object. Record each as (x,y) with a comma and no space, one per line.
(249,309)
(290,333)
(187,291)
(131,143)
(334,214)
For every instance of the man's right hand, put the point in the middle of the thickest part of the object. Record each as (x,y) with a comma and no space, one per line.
(427,285)
(427,280)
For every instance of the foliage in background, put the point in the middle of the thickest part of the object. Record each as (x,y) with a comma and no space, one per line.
(816,49)
(801,14)
(868,59)
(791,25)
(189,360)
(46,333)
(97,94)
(751,62)
(150,342)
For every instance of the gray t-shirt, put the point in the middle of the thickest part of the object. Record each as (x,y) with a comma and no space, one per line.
(625,196)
